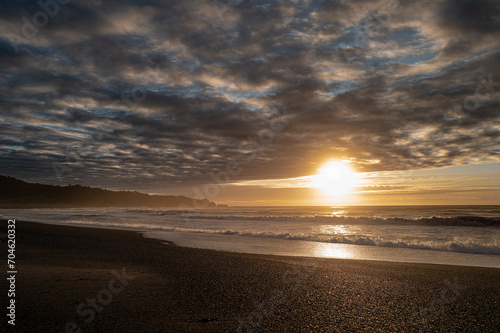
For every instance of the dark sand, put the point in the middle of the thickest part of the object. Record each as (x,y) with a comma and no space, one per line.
(179,289)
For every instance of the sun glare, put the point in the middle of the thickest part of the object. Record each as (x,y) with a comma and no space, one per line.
(336,178)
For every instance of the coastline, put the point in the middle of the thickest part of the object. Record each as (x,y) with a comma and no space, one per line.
(176,289)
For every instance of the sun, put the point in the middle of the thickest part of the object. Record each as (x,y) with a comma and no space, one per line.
(336,178)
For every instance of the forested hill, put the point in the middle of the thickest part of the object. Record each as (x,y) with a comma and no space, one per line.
(17,193)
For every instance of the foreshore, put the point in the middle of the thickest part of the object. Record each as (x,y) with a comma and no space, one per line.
(72,279)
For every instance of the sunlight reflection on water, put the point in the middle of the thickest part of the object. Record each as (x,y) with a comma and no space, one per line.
(338,213)
(334,251)
(334,229)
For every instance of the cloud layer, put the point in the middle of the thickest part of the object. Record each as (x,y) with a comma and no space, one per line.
(121,94)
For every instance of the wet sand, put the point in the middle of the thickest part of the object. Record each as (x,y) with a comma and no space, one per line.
(74,279)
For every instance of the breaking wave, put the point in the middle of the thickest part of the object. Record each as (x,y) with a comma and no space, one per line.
(452,246)
(462,221)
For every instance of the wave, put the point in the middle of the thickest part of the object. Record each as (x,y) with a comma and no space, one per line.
(463,221)
(193,215)
(452,246)
(158,212)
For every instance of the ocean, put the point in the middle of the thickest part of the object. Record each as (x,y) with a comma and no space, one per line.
(456,235)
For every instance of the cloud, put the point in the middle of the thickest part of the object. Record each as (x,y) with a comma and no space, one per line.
(169,91)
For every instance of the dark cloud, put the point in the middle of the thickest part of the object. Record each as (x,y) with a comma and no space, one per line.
(471,16)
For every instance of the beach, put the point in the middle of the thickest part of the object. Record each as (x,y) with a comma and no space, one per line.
(80,279)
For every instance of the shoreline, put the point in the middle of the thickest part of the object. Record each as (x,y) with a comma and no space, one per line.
(61,269)
(312,249)
(364,252)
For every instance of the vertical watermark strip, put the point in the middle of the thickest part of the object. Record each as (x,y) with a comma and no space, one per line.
(11,271)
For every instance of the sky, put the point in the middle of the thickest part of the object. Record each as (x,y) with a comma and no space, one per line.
(243,101)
